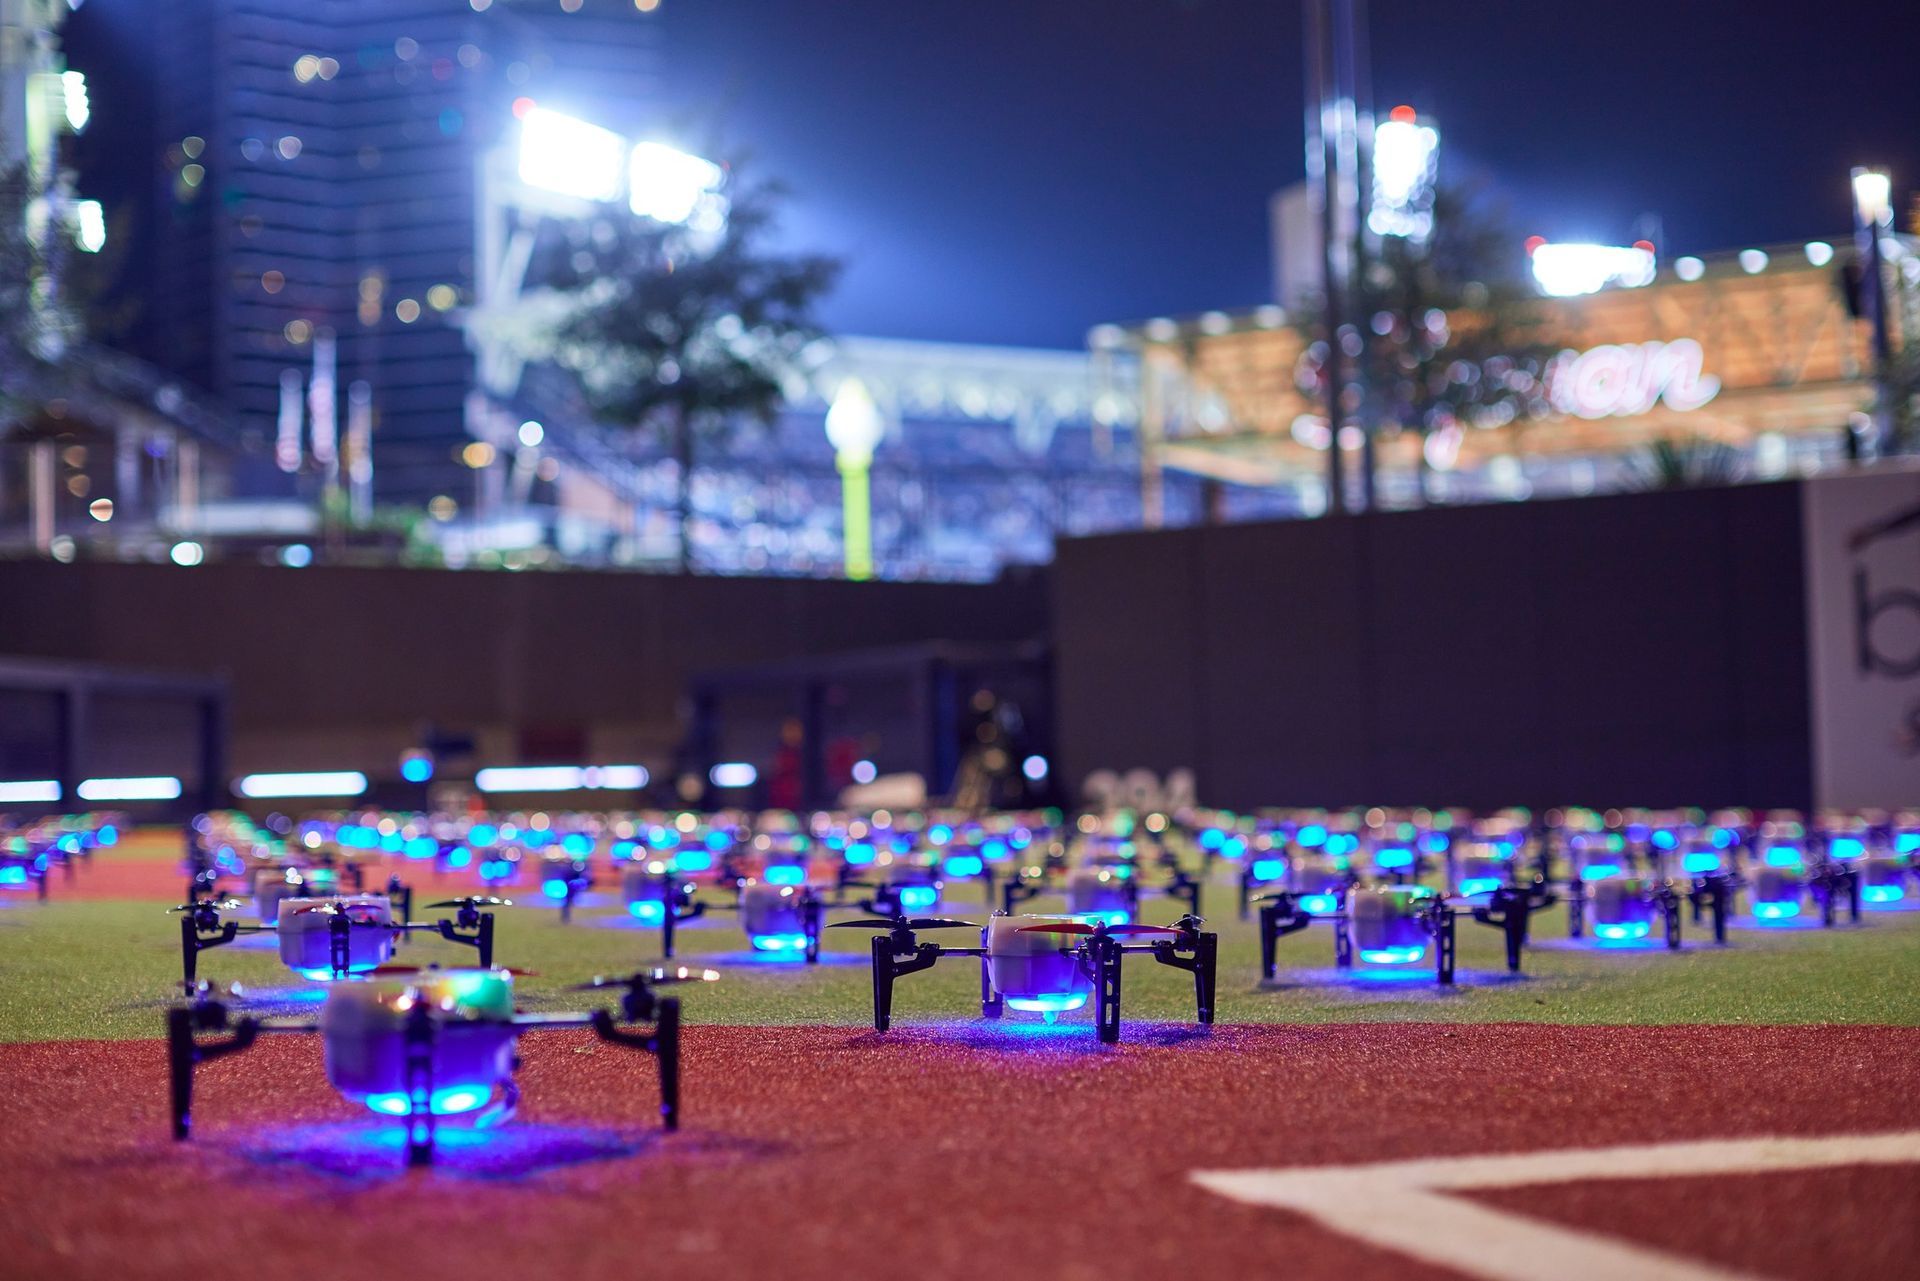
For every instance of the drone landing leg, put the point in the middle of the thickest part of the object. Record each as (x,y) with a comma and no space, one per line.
(666,1048)
(192,943)
(810,925)
(1670,917)
(882,982)
(184,1053)
(1444,940)
(1269,936)
(992,1005)
(419,1087)
(339,944)
(485,941)
(1342,943)
(1206,953)
(1106,987)
(667,913)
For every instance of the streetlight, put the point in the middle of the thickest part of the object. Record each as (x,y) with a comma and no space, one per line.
(1873,213)
(854,426)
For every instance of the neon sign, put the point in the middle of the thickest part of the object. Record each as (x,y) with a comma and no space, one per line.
(1622,381)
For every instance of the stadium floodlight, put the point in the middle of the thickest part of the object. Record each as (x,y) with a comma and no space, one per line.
(73,98)
(669,185)
(28,791)
(89,226)
(561,778)
(320,783)
(1567,271)
(563,154)
(1405,160)
(1873,196)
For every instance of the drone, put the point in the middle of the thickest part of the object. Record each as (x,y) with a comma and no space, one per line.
(334,937)
(434,1044)
(780,919)
(1624,910)
(1401,925)
(1045,965)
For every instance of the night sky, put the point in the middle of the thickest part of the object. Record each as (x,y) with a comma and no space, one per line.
(1015,171)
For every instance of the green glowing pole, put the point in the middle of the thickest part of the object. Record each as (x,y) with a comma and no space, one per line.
(856,516)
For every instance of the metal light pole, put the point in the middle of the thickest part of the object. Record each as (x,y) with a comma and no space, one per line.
(1334,149)
(1873,215)
(855,427)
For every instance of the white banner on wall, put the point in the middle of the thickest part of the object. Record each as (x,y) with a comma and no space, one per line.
(1862,541)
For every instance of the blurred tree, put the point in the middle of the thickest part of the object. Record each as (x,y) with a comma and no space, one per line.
(685,332)
(33,326)
(1684,464)
(1453,331)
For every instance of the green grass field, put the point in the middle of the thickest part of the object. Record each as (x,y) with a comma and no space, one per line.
(76,969)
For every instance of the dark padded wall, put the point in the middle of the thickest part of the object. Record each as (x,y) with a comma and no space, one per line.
(1642,649)
(315,649)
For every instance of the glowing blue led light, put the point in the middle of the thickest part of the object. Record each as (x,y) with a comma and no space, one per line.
(1394,856)
(1269,869)
(459,856)
(1907,843)
(963,865)
(393,843)
(1122,872)
(698,861)
(1435,842)
(1479,885)
(482,835)
(778,942)
(1212,838)
(1342,843)
(422,847)
(1599,871)
(994,850)
(322,973)
(1664,840)
(717,841)
(496,869)
(1118,916)
(939,833)
(109,834)
(1783,856)
(1234,848)
(785,874)
(416,769)
(1882,894)
(1626,930)
(648,912)
(448,1102)
(1058,1003)
(1722,837)
(918,897)
(1392,955)
(1312,834)
(554,887)
(1700,861)
(1846,848)
(1777,911)
(859,854)
(13,875)
(577,843)
(1319,904)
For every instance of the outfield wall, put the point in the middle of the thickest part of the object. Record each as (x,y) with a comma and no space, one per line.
(1646,649)
(340,668)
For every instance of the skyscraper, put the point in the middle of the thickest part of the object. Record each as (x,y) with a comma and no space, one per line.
(318,191)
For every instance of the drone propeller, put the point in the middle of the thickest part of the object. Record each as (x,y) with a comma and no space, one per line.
(904,922)
(394,971)
(471,900)
(224,905)
(651,978)
(1081,927)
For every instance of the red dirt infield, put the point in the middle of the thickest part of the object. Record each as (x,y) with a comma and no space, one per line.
(944,1151)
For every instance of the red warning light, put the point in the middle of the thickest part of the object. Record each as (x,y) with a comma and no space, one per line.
(1403,114)
(1644,244)
(1533,243)
(521,106)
